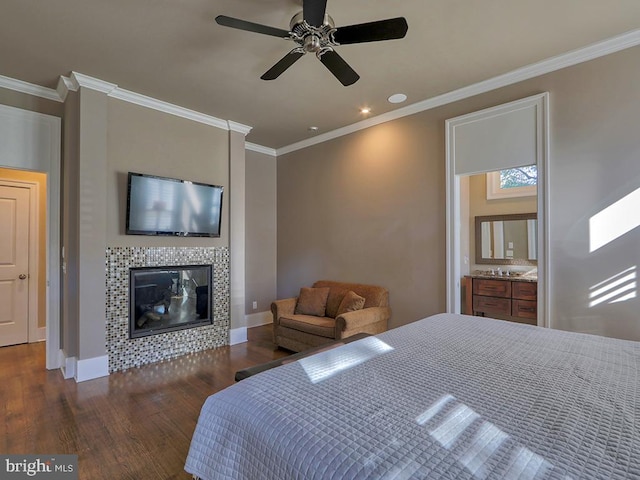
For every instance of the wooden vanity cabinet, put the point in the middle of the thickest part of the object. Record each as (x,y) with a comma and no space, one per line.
(502,297)
(524,300)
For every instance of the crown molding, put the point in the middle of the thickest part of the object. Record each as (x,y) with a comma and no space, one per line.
(574,57)
(77,80)
(149,102)
(65,85)
(238,127)
(92,83)
(260,149)
(29,88)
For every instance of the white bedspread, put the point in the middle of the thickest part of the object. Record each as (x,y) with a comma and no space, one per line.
(449,396)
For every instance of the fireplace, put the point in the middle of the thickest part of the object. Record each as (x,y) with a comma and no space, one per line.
(165,299)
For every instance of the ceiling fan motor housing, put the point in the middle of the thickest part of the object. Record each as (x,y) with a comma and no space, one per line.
(313,39)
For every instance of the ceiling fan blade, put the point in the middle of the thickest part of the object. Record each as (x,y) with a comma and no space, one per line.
(390,29)
(340,69)
(313,11)
(251,27)
(285,62)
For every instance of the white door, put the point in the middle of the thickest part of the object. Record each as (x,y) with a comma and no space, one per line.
(14,265)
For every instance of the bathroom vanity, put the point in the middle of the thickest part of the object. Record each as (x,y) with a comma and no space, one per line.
(508,297)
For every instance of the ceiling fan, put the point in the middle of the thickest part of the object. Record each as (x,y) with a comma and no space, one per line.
(315,32)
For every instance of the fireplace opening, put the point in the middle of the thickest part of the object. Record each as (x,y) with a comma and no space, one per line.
(164,299)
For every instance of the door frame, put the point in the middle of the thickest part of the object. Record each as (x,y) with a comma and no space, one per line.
(42,133)
(34,253)
(541,105)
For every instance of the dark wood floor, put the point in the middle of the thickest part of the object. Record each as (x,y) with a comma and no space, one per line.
(135,424)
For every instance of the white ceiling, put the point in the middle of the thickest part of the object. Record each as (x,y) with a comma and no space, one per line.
(173,50)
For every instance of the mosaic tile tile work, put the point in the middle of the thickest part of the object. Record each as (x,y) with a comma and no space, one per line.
(126,353)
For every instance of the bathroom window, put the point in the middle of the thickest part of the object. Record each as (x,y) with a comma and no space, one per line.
(512,182)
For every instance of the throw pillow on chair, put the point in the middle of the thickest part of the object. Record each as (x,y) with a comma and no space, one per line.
(312,301)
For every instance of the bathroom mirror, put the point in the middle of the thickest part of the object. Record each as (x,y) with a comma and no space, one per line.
(507,239)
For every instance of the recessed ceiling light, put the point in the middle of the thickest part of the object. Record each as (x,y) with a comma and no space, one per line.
(313,129)
(397,98)
(365,110)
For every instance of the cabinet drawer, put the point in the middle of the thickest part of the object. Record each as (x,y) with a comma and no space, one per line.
(525,290)
(492,305)
(525,309)
(492,288)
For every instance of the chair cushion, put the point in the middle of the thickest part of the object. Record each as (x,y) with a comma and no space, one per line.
(321,326)
(312,301)
(350,303)
(374,296)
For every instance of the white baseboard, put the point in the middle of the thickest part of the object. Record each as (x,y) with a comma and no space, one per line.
(68,366)
(237,335)
(258,319)
(42,334)
(91,368)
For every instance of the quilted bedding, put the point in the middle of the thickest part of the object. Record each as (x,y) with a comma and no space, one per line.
(449,396)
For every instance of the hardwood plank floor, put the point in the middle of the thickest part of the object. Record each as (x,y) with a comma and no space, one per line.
(135,424)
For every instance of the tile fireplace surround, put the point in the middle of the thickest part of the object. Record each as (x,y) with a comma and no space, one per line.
(124,352)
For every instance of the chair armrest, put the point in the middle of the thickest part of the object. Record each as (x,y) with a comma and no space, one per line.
(361,321)
(285,306)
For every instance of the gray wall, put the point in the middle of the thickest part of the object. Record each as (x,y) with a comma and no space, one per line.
(29,102)
(261,231)
(92,228)
(369,207)
(144,140)
(104,139)
(595,162)
(70,207)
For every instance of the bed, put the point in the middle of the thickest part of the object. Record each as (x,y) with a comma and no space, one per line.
(449,396)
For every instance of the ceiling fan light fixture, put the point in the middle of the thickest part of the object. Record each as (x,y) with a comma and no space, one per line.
(312,43)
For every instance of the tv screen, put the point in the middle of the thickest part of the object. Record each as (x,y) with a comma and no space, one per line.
(168,206)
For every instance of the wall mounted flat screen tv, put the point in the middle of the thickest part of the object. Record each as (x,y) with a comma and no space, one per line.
(168,206)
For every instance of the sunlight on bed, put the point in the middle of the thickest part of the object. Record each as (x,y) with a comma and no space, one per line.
(323,365)
(618,288)
(486,440)
(614,221)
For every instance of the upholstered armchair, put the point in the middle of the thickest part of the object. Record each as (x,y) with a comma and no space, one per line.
(329,311)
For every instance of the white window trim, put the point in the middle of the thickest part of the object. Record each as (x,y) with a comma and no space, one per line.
(494,191)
